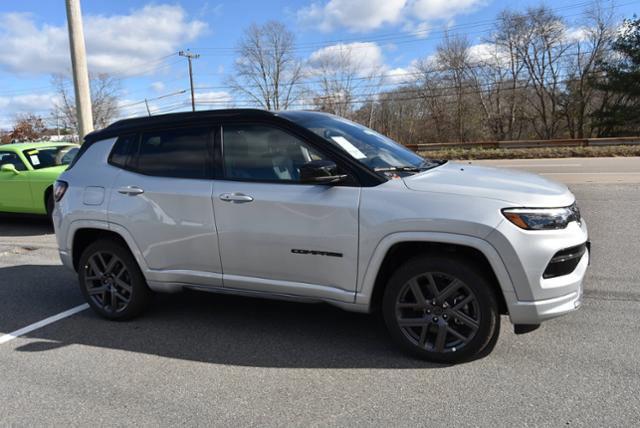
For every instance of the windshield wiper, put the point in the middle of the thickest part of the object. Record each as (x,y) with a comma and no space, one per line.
(427,164)
(399,169)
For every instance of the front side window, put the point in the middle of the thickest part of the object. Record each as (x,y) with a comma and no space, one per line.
(264,153)
(12,159)
(47,157)
(182,153)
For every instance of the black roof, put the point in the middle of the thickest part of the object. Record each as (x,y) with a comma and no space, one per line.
(125,125)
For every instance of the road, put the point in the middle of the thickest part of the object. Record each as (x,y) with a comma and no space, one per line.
(577,170)
(204,359)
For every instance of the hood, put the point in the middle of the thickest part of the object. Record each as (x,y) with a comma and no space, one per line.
(519,188)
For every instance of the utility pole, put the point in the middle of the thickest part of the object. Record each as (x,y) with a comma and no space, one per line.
(189,57)
(147,104)
(80,70)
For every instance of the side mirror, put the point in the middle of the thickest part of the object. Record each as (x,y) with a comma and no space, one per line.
(321,172)
(9,167)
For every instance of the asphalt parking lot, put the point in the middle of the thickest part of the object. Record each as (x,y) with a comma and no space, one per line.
(205,359)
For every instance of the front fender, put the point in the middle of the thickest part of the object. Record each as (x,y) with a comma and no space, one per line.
(367,284)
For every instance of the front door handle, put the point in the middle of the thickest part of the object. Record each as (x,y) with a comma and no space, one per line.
(131,190)
(236,198)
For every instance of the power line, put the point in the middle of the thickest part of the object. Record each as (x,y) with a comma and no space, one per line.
(172,94)
(382,76)
(411,36)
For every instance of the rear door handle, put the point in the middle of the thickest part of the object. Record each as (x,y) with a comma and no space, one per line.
(131,190)
(236,198)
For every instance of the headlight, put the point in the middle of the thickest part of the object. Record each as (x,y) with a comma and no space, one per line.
(542,218)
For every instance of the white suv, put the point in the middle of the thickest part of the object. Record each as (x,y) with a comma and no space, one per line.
(310,207)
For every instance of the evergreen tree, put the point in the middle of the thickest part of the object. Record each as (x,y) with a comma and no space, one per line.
(620,111)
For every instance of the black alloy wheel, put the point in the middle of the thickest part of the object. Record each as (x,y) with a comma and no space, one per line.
(438,312)
(107,281)
(111,281)
(440,309)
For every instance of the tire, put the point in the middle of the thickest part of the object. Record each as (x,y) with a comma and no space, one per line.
(114,288)
(49,205)
(460,326)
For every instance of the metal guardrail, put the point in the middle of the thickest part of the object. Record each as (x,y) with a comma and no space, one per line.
(527,144)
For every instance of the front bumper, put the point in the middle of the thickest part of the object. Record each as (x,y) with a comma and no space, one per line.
(526,256)
(534,312)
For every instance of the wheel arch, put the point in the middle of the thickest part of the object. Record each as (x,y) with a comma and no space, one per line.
(84,233)
(85,236)
(48,191)
(395,249)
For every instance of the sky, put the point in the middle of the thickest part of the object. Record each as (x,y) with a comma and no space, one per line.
(137,41)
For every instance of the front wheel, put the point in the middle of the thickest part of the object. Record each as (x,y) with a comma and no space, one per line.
(49,205)
(441,309)
(111,281)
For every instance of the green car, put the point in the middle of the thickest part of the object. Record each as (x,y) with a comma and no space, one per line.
(27,173)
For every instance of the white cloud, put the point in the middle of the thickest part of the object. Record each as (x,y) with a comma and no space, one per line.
(360,59)
(126,44)
(442,9)
(366,15)
(356,15)
(484,52)
(158,86)
(576,34)
(27,103)
(363,57)
(420,30)
(402,75)
(214,99)
(38,103)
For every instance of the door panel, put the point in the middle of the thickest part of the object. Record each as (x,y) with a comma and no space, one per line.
(163,198)
(276,233)
(15,189)
(287,232)
(171,220)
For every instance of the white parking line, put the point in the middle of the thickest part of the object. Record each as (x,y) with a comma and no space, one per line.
(28,329)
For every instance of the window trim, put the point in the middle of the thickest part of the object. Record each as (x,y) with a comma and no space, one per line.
(351,181)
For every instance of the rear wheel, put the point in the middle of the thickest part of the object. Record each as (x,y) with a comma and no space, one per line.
(111,281)
(441,309)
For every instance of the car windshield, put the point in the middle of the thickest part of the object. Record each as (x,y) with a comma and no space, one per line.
(46,157)
(369,147)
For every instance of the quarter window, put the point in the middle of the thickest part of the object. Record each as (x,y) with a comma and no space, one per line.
(179,153)
(122,150)
(263,153)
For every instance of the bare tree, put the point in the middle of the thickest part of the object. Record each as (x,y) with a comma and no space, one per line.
(450,90)
(584,69)
(266,69)
(27,127)
(435,101)
(540,41)
(452,56)
(345,80)
(105,91)
(501,83)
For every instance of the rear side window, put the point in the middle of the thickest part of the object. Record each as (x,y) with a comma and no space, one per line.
(182,153)
(122,150)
